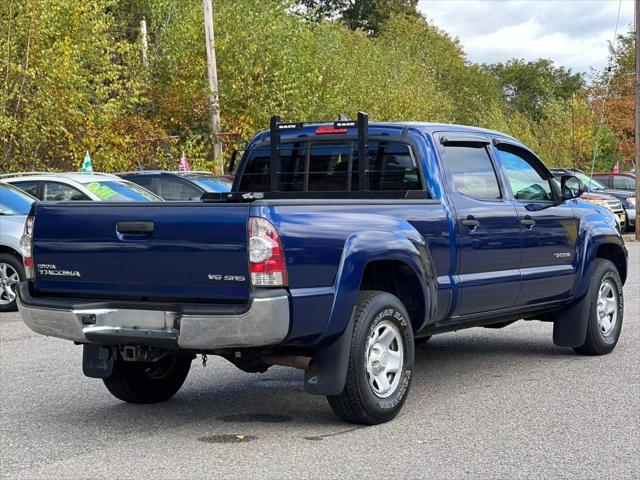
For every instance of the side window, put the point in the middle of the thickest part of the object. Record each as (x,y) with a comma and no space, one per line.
(174,190)
(54,191)
(393,168)
(527,183)
(30,187)
(621,182)
(606,180)
(144,182)
(473,172)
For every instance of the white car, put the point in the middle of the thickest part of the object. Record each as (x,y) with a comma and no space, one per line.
(79,186)
(14,208)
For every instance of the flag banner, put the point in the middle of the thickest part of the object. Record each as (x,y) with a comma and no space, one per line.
(184,164)
(87,168)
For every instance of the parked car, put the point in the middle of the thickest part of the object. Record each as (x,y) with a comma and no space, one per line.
(617,181)
(627,199)
(14,208)
(178,186)
(79,186)
(338,246)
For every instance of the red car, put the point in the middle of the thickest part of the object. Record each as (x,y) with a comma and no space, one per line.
(619,181)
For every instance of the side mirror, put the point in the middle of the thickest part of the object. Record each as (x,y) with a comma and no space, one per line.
(571,187)
(231,166)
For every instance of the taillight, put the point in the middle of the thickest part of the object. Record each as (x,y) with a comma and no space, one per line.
(267,264)
(26,248)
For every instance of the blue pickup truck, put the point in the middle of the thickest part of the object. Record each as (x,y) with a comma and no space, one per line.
(340,246)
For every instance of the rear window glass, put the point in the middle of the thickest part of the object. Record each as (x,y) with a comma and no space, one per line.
(331,167)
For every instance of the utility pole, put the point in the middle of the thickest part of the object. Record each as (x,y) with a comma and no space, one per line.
(214,99)
(637,133)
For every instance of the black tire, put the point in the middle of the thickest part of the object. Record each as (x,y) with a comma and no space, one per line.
(598,341)
(422,340)
(358,403)
(11,262)
(142,382)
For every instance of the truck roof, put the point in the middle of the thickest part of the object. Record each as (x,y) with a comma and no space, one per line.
(377,128)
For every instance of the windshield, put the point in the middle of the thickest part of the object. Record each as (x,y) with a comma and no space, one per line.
(595,185)
(211,184)
(14,201)
(121,191)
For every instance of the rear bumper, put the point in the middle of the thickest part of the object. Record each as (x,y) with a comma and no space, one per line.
(264,322)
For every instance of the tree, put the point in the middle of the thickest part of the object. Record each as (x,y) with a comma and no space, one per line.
(619,107)
(528,86)
(370,15)
(319,10)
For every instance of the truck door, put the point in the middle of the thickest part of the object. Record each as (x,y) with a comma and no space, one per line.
(487,225)
(548,228)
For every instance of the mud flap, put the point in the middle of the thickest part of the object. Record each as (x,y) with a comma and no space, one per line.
(97,361)
(327,373)
(570,325)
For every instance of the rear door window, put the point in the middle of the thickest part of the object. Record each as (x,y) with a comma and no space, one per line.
(333,167)
(472,171)
(55,191)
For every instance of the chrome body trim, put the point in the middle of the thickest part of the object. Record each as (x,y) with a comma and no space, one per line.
(266,322)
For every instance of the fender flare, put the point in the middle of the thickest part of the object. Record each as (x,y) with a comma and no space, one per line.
(570,323)
(328,372)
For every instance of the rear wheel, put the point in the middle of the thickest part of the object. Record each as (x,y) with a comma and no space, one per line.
(146,382)
(605,310)
(11,273)
(380,361)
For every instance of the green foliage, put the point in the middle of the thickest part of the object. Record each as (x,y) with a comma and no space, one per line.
(371,15)
(527,87)
(72,80)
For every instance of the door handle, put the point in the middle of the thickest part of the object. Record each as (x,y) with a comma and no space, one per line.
(471,223)
(528,222)
(135,228)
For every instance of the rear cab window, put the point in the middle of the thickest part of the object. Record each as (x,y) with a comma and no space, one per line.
(323,166)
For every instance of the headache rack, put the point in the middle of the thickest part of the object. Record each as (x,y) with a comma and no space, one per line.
(362,124)
(363,192)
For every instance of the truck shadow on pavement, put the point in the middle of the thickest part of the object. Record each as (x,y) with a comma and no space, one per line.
(224,398)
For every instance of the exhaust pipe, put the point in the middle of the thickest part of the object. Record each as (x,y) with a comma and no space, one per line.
(295,361)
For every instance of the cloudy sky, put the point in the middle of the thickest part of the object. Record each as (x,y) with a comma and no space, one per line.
(573,33)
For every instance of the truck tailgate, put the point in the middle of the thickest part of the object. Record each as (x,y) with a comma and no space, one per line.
(144,251)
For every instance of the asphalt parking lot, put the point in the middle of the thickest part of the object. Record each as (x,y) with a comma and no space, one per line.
(484,404)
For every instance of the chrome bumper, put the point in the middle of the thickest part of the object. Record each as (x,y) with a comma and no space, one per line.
(266,322)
